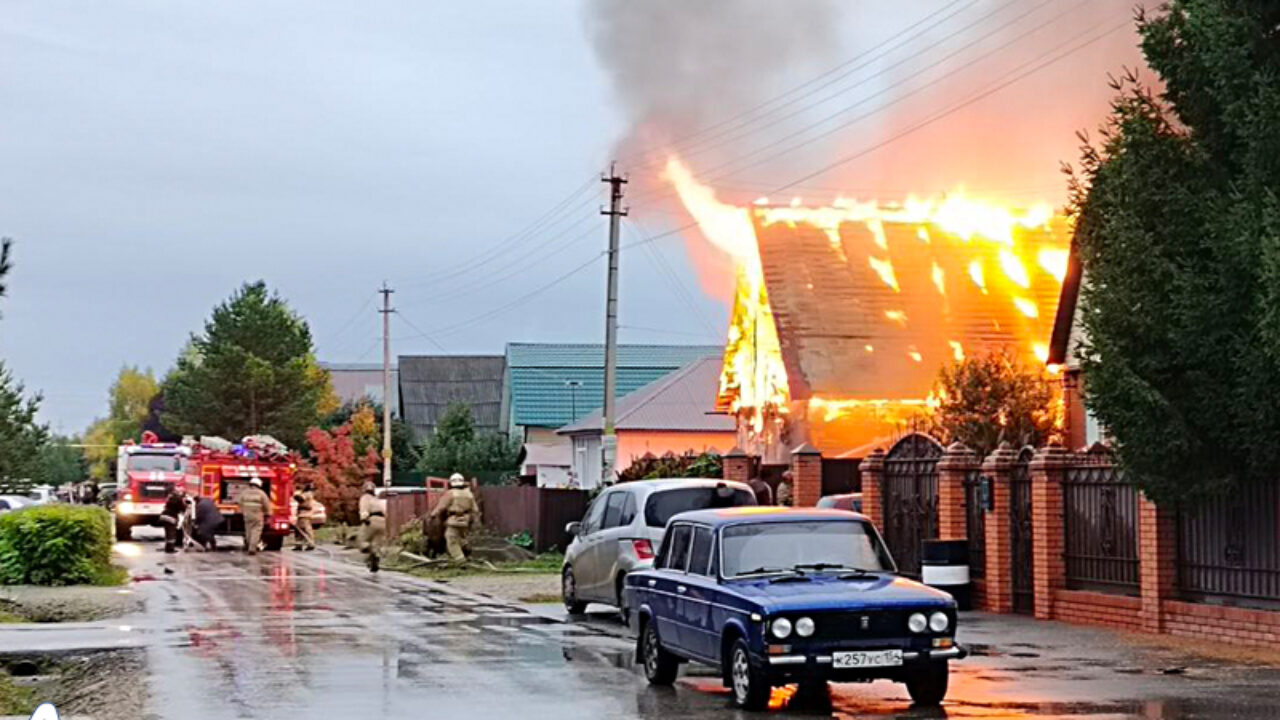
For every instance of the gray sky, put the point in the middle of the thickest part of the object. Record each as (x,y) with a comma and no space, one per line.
(154,155)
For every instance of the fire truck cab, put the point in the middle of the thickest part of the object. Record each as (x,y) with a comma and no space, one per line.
(146,473)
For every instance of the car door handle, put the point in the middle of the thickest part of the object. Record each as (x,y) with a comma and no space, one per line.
(652,583)
(681,588)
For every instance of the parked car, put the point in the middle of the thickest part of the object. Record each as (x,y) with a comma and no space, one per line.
(13,502)
(41,495)
(623,526)
(778,595)
(851,502)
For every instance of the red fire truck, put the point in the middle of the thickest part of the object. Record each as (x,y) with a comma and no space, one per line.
(223,475)
(145,473)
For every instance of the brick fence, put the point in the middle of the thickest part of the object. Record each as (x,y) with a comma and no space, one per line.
(1084,546)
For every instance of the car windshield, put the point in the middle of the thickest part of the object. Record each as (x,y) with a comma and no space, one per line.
(770,547)
(661,505)
(155,463)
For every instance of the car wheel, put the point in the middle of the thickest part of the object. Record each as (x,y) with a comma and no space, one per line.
(660,666)
(569,593)
(273,543)
(928,685)
(749,684)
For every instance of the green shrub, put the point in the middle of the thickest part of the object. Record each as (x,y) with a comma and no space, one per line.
(57,545)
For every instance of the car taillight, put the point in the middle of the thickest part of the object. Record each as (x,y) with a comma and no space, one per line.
(643,548)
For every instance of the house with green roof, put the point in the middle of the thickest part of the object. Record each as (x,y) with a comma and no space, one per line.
(550,385)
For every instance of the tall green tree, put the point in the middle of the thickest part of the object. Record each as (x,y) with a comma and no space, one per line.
(60,463)
(251,371)
(990,398)
(456,446)
(1178,232)
(22,439)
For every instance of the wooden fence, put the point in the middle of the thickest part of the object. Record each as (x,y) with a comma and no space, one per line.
(404,507)
(541,512)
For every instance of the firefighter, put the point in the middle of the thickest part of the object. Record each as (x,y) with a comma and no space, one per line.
(255,505)
(373,527)
(171,517)
(306,535)
(460,511)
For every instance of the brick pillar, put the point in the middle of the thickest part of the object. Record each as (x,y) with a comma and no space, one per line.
(953,467)
(806,476)
(737,466)
(999,536)
(1046,523)
(871,470)
(1157,553)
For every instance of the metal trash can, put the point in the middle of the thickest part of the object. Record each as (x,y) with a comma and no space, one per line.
(944,564)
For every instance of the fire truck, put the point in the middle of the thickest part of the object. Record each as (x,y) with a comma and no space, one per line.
(148,471)
(223,474)
(145,474)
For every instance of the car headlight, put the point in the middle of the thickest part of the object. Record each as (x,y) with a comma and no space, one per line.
(917,623)
(805,627)
(939,622)
(780,628)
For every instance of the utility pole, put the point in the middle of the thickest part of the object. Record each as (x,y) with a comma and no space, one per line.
(609,444)
(386,384)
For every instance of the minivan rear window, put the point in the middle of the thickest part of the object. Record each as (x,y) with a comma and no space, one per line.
(662,505)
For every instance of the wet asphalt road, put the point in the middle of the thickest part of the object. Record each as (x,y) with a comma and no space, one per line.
(312,635)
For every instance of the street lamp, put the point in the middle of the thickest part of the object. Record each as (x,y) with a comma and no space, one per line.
(573,386)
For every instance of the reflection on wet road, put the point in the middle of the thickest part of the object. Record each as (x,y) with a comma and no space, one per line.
(231,636)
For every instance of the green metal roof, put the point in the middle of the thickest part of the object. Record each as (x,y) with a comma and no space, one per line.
(538,377)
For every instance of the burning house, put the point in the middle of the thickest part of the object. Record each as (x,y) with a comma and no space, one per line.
(843,314)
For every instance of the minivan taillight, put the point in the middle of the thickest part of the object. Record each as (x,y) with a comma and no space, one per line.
(643,548)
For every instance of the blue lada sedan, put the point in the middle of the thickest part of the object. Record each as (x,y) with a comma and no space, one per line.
(773,596)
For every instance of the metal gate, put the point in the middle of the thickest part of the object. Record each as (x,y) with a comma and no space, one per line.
(910,497)
(1021,536)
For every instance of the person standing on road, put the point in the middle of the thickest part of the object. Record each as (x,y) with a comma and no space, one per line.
(305,538)
(373,527)
(171,517)
(460,511)
(255,505)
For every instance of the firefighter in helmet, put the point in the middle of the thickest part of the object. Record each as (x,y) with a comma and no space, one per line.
(460,511)
(373,525)
(255,505)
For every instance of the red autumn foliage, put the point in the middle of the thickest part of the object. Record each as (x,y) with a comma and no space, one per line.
(337,471)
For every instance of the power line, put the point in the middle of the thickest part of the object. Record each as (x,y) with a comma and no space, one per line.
(543,221)
(421,333)
(368,301)
(785,96)
(794,109)
(450,329)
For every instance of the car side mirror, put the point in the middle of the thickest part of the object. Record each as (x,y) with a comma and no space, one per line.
(573,528)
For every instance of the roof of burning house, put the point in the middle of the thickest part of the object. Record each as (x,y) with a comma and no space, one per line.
(683,401)
(844,332)
(429,384)
(539,377)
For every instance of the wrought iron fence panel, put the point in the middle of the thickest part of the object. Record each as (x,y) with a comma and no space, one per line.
(975,524)
(1022,533)
(1100,527)
(910,497)
(1229,547)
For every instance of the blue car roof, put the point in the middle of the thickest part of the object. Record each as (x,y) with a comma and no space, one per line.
(763,513)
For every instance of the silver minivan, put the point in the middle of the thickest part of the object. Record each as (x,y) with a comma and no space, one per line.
(622,530)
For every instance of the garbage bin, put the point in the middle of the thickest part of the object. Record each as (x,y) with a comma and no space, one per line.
(944,564)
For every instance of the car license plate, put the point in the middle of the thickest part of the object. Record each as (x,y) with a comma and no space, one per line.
(866,659)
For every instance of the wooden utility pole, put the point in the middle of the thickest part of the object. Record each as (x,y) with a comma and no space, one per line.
(386,384)
(609,444)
